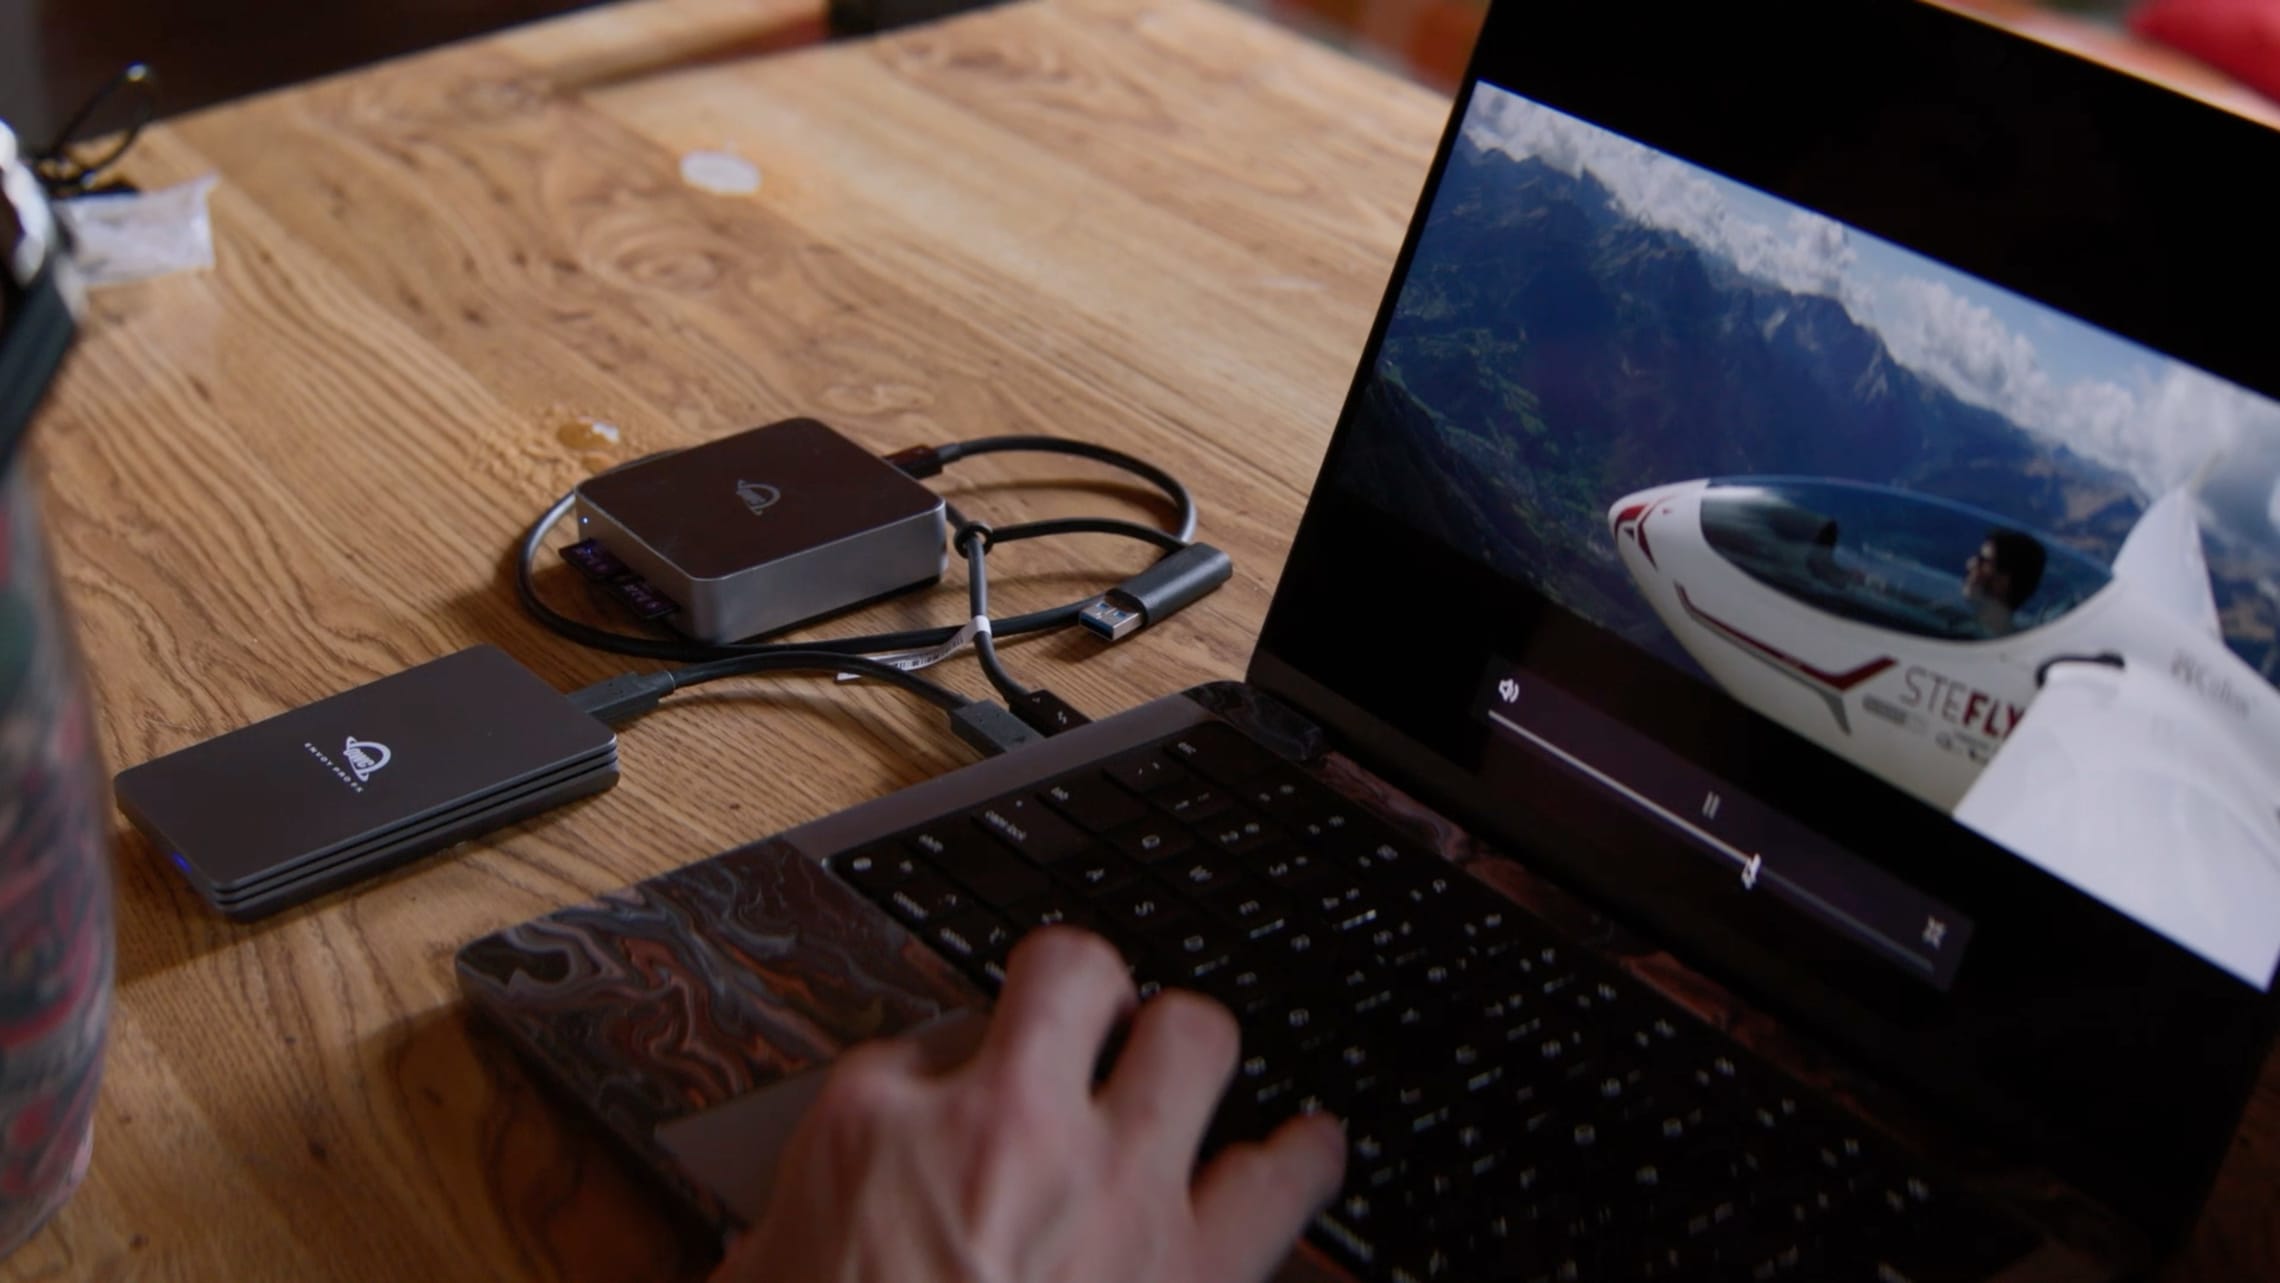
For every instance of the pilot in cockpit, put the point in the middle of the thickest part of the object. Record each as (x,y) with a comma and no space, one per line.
(2000,577)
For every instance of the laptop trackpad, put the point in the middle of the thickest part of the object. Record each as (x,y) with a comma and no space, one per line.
(731,1150)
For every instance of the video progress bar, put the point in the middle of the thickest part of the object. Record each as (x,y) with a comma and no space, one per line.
(1752,864)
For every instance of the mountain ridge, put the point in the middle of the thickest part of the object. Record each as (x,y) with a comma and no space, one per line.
(1550,353)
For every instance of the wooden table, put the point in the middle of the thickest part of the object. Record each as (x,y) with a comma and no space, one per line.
(450,287)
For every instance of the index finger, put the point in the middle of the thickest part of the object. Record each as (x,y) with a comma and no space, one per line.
(1064,991)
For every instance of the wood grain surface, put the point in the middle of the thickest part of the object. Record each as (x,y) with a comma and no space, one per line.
(450,287)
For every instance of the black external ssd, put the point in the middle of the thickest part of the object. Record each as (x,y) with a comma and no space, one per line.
(309,800)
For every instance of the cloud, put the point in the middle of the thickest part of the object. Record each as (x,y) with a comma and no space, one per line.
(2158,430)
(1966,348)
(1933,329)
(1811,255)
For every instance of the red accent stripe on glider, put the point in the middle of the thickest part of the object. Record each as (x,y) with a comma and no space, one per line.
(1839,682)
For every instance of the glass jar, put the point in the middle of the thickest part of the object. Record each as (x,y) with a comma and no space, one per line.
(55,884)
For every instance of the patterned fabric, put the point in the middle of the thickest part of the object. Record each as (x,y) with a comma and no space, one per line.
(55,894)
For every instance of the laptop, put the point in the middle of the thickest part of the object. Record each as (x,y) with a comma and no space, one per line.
(1762,761)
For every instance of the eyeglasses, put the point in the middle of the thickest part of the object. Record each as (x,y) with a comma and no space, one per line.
(120,109)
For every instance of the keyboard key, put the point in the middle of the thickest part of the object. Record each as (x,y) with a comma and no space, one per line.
(1326,820)
(1714,1165)
(1056,907)
(1372,1003)
(1242,988)
(1285,866)
(936,841)
(877,870)
(1094,803)
(1387,862)
(1030,827)
(1714,1212)
(995,875)
(1297,1021)
(1222,753)
(1283,793)
(1168,931)
(1357,1243)
(1433,897)
(1352,1085)
(924,897)
(973,936)
(1492,930)
(1146,771)
(1275,1102)
(1238,831)
(1097,872)
(1301,946)
(1256,1068)
(1388,938)
(1353,978)
(1430,974)
(1720,1079)
(1146,908)
(1353,1059)
(1322,891)
(1337,903)
(1662,1039)
(1195,941)
(1148,968)
(1199,873)
(1193,972)
(1152,839)
(1194,802)
(1257,910)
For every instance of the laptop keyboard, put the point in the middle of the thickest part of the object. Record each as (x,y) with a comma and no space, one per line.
(1517,1108)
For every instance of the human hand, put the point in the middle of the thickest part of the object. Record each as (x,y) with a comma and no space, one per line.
(1012,1168)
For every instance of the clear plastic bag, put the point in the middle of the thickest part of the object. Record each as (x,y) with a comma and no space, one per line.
(132,236)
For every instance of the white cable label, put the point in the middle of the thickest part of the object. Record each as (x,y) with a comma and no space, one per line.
(910,661)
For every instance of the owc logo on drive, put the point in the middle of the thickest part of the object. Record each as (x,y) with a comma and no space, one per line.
(365,757)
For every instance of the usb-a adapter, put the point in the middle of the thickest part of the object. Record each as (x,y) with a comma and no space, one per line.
(339,790)
(1157,593)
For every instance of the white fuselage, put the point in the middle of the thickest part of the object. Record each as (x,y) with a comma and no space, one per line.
(2144,769)
(1925,713)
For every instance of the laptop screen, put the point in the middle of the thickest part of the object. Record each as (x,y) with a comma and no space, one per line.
(1898,645)
(1887,505)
